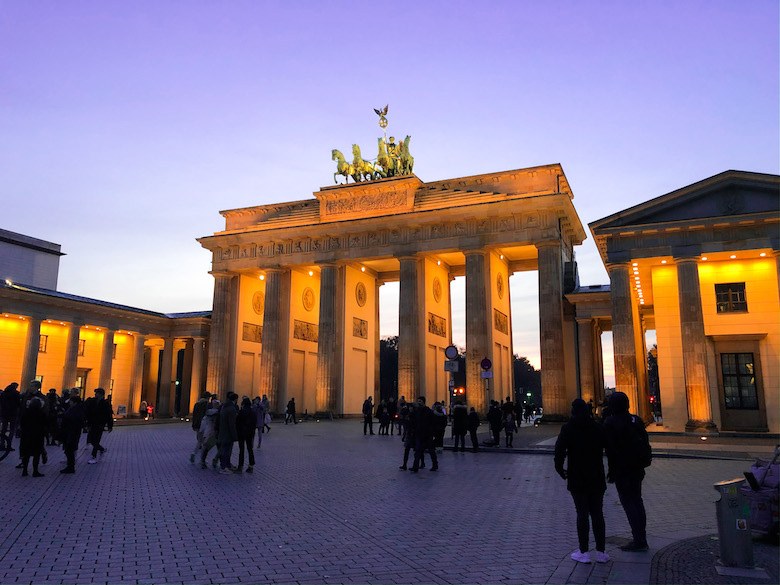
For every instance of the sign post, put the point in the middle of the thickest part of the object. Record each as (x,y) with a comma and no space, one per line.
(487,373)
(451,366)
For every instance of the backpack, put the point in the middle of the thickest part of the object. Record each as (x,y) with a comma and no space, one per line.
(639,442)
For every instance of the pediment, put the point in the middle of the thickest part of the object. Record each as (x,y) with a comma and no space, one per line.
(730,195)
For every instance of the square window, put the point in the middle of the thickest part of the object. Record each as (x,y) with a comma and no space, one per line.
(731,298)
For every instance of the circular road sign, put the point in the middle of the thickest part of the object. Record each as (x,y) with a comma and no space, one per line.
(451,352)
(486,364)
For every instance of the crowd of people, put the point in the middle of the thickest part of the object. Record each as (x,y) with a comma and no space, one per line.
(221,425)
(43,420)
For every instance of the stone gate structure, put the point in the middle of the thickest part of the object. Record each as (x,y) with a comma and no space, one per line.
(296,295)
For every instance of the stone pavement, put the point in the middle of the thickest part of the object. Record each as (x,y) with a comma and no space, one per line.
(328,505)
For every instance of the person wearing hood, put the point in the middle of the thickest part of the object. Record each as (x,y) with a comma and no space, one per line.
(198,412)
(628,453)
(581,442)
(208,431)
(246,424)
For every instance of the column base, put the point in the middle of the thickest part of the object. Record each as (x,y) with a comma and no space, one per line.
(701,427)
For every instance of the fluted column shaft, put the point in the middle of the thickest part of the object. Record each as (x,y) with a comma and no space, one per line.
(409,329)
(137,374)
(377,388)
(477,333)
(164,399)
(196,371)
(551,329)
(31,346)
(271,356)
(328,367)
(586,359)
(220,340)
(694,348)
(70,367)
(623,325)
(106,360)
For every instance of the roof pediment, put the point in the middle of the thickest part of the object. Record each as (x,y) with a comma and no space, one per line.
(729,195)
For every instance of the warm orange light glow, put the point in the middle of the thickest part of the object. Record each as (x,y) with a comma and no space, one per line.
(762,254)
(635,264)
(663,261)
(311,273)
(733,256)
(438,263)
(704,258)
(362,269)
(262,277)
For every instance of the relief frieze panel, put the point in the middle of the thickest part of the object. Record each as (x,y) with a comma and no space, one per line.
(500,321)
(437,325)
(252,333)
(359,328)
(376,201)
(306,331)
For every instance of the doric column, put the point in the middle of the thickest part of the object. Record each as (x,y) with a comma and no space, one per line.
(623,332)
(328,366)
(106,360)
(585,352)
(136,374)
(196,371)
(551,329)
(221,339)
(477,332)
(409,329)
(70,367)
(163,408)
(271,356)
(694,349)
(377,343)
(186,380)
(598,364)
(31,347)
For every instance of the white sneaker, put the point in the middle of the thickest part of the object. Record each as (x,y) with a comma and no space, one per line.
(580,557)
(600,557)
(92,461)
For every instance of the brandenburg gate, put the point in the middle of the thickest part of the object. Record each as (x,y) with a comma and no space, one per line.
(296,293)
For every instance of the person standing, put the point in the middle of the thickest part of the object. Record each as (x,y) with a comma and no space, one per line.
(628,453)
(100,417)
(439,426)
(246,424)
(368,414)
(423,421)
(10,400)
(33,432)
(259,410)
(209,427)
(472,425)
(267,409)
(72,425)
(509,428)
(409,438)
(198,412)
(228,433)
(460,419)
(495,420)
(392,413)
(581,442)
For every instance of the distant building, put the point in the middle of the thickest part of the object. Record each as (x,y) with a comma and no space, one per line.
(27,260)
(68,341)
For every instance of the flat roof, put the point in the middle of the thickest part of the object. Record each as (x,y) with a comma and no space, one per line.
(29,242)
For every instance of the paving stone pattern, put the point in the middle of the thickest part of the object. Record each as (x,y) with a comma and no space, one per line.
(325,505)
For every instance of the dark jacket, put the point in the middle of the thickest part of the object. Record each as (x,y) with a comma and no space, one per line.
(581,441)
(460,418)
(10,400)
(72,425)
(620,431)
(423,421)
(473,421)
(227,423)
(33,429)
(98,413)
(198,412)
(495,417)
(246,422)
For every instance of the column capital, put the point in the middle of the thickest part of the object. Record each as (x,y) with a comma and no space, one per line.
(478,252)
(685,259)
(613,266)
(221,273)
(557,243)
(584,320)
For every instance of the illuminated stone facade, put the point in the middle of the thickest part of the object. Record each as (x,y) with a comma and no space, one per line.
(306,276)
(700,267)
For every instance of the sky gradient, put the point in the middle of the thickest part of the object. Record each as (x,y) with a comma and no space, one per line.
(127,126)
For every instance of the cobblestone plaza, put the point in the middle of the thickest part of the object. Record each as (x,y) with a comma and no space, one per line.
(327,505)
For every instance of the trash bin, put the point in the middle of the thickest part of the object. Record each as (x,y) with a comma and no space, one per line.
(733,513)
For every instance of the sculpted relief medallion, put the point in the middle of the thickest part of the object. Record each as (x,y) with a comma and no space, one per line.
(436,289)
(500,285)
(258,302)
(308,299)
(360,294)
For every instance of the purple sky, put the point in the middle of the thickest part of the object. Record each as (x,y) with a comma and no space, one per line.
(127,126)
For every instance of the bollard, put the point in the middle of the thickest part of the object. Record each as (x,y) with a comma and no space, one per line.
(733,513)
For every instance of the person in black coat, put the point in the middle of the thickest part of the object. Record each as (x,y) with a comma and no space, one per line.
(246,424)
(581,441)
(424,426)
(100,417)
(460,419)
(496,421)
(10,400)
(626,469)
(473,425)
(72,425)
(33,431)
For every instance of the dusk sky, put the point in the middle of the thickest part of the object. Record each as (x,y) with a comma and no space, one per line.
(127,126)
